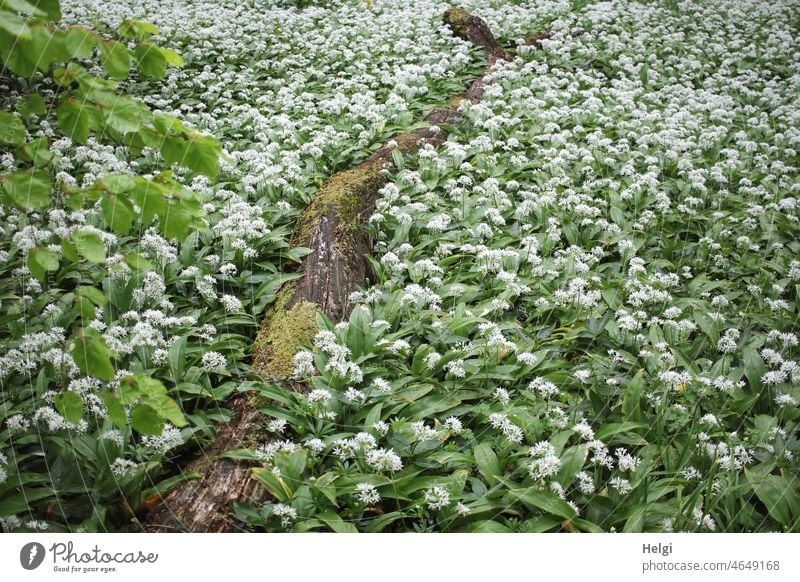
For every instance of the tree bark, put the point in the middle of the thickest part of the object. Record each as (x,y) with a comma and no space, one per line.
(331,226)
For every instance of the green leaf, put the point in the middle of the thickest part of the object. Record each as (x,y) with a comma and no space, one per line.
(118,213)
(89,245)
(51,9)
(117,183)
(129,390)
(149,388)
(92,294)
(138,262)
(202,154)
(631,401)
(70,406)
(80,42)
(116,59)
(69,250)
(136,29)
(173,59)
(12,130)
(22,6)
(149,197)
(36,151)
(92,356)
(779,494)
(150,60)
(14,25)
(124,114)
(487,463)
(32,104)
(116,411)
(86,308)
(487,526)
(145,419)
(168,409)
(274,484)
(614,428)
(547,501)
(41,260)
(73,119)
(29,189)
(336,523)
(47,47)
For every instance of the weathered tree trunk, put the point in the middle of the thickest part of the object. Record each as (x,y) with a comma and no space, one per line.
(331,226)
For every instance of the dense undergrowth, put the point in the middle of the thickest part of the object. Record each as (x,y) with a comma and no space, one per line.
(585,304)
(587,299)
(292,96)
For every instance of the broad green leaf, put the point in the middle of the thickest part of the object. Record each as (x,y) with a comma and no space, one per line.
(487,463)
(116,59)
(150,60)
(273,483)
(14,25)
(124,114)
(138,262)
(117,183)
(36,151)
(614,428)
(29,189)
(89,245)
(12,129)
(149,197)
(173,59)
(149,388)
(80,41)
(487,526)
(22,6)
(51,9)
(779,494)
(336,523)
(73,119)
(86,308)
(93,294)
(136,29)
(32,104)
(631,406)
(40,261)
(47,46)
(118,213)
(546,501)
(168,409)
(202,154)
(92,356)
(70,406)
(177,220)
(145,419)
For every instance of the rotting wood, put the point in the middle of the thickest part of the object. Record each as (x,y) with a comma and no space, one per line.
(331,226)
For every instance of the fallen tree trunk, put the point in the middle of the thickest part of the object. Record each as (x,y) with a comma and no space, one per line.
(331,226)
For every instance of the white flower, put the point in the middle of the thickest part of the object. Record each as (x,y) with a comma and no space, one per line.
(453,425)
(367,494)
(319,395)
(122,467)
(384,460)
(213,361)
(620,484)
(287,513)
(437,497)
(303,364)
(231,303)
